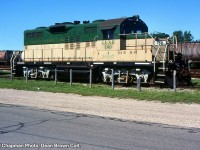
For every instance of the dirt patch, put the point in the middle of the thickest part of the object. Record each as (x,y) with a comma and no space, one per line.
(185,115)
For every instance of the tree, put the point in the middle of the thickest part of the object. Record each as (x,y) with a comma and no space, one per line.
(183,37)
(188,36)
(179,35)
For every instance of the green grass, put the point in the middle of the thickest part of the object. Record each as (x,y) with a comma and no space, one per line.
(196,82)
(151,94)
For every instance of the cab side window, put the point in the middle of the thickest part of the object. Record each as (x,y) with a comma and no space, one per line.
(108,34)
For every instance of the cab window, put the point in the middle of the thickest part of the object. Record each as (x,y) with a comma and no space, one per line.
(108,34)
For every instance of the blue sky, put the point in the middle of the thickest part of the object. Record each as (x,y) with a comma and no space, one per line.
(162,16)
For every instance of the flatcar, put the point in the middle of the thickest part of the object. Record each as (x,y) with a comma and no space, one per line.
(122,45)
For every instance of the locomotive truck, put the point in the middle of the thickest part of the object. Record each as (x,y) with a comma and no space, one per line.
(122,45)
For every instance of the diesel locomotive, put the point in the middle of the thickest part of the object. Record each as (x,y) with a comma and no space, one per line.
(122,45)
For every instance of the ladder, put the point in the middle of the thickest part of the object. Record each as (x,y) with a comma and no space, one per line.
(160,59)
(160,72)
(16,56)
(163,56)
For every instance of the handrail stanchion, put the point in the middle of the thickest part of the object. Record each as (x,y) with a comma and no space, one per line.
(26,74)
(174,81)
(56,76)
(112,79)
(90,78)
(70,77)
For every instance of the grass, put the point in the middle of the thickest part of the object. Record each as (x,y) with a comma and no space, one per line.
(151,94)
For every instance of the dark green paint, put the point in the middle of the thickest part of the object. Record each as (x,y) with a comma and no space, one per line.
(86,32)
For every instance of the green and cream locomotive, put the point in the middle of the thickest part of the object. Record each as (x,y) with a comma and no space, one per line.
(122,45)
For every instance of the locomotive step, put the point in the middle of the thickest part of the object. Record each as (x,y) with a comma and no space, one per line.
(161,75)
(162,61)
(161,68)
(159,82)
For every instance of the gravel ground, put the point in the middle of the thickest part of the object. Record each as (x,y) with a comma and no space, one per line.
(184,115)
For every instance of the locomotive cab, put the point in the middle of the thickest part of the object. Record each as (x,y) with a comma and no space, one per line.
(133,25)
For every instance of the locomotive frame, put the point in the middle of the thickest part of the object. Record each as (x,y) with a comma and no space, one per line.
(122,44)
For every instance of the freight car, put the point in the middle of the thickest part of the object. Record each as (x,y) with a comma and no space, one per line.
(191,55)
(122,45)
(5,56)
